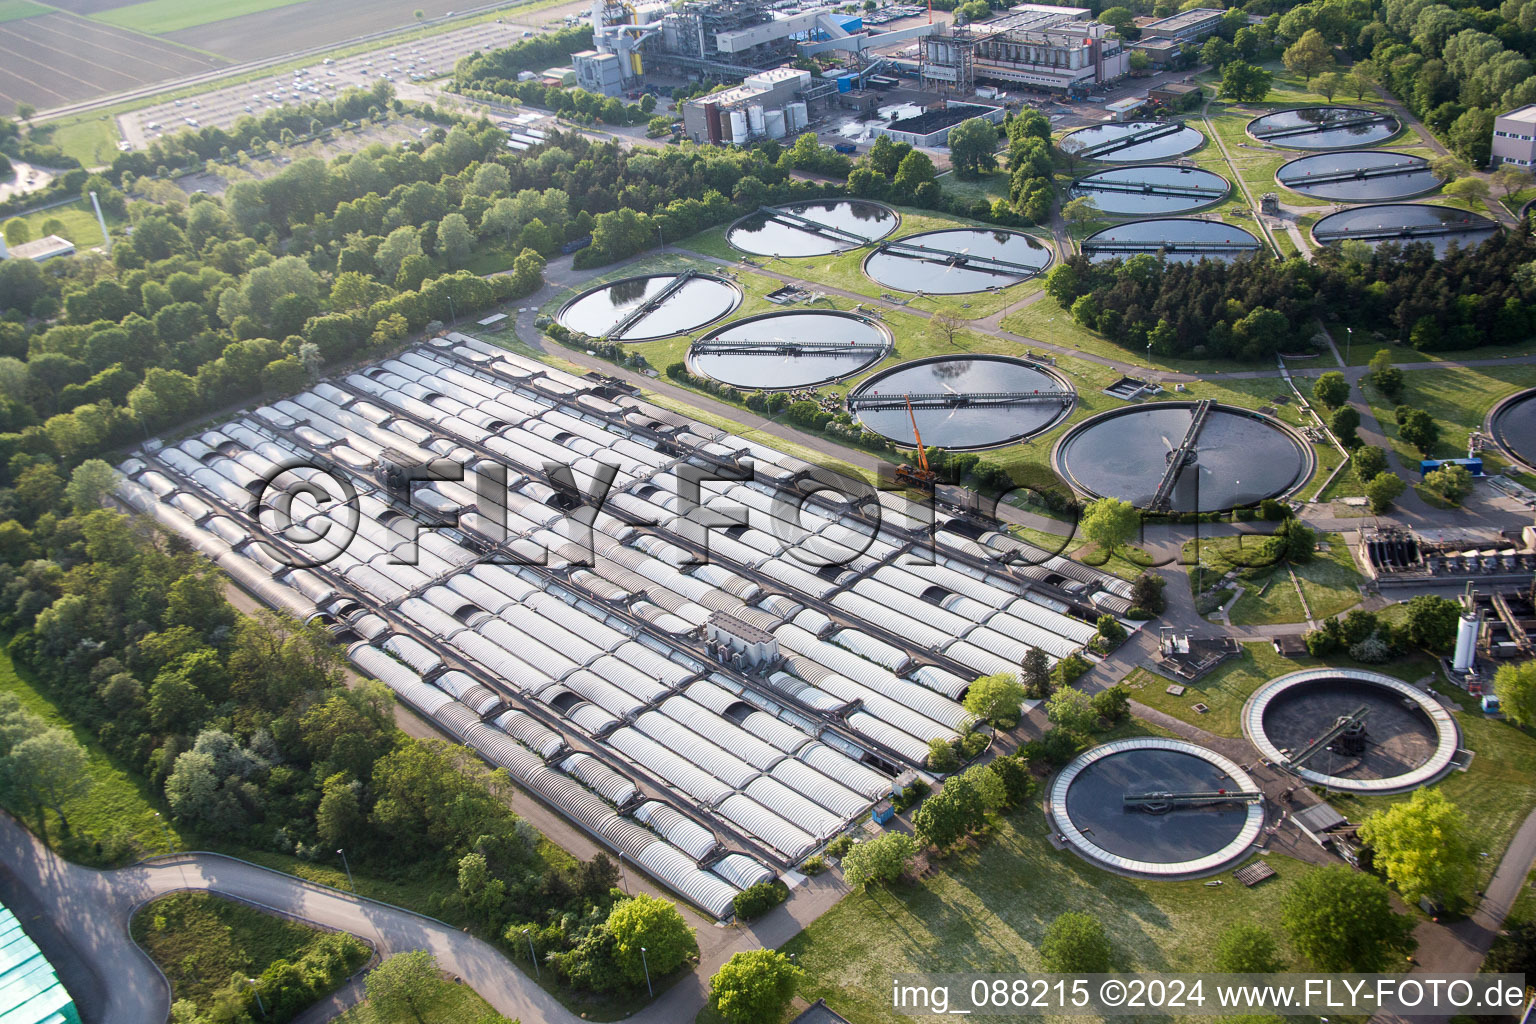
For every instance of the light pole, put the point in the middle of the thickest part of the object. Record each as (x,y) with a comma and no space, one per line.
(452,311)
(170,840)
(350,884)
(533,956)
(1349,343)
(257,993)
(644,963)
(623,880)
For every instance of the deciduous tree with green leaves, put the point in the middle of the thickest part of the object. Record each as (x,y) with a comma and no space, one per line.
(754,987)
(996,698)
(1248,948)
(1109,523)
(1331,389)
(644,921)
(1515,686)
(403,984)
(1072,709)
(1423,846)
(1076,943)
(1342,920)
(1244,82)
(879,861)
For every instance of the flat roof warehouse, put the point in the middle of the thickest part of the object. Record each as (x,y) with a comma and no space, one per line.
(593,684)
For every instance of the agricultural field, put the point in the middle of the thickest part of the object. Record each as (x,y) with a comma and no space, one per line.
(268,28)
(162,17)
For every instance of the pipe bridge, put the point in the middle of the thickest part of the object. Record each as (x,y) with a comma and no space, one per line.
(1354,720)
(953,400)
(1359,174)
(650,305)
(1161,803)
(1156,247)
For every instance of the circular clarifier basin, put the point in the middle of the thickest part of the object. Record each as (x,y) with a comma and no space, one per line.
(650,307)
(954,262)
(1358,176)
(1512,423)
(1324,127)
(1177,239)
(1152,806)
(1352,730)
(815,228)
(1132,142)
(962,402)
(1238,457)
(776,351)
(1405,224)
(1149,190)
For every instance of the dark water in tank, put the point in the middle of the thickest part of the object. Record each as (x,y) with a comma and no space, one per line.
(1095,803)
(699,301)
(1411,175)
(1161,148)
(933,273)
(1323,137)
(1516,428)
(961,427)
(1156,189)
(1240,460)
(1395,222)
(771,370)
(1171,232)
(1398,739)
(760,234)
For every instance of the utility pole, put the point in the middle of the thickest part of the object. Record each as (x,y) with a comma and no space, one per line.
(350,884)
(644,963)
(533,956)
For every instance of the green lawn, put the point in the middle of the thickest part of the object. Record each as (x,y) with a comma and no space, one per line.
(91,139)
(79,221)
(1330,580)
(987,909)
(162,17)
(988,186)
(1459,399)
(202,942)
(15,10)
(447,1003)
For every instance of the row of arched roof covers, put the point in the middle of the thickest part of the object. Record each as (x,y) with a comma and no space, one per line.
(580,664)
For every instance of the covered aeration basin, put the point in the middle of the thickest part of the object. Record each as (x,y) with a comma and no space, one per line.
(1132,142)
(962,401)
(1151,189)
(814,228)
(1159,807)
(1513,424)
(1184,456)
(775,351)
(1405,224)
(953,262)
(1324,127)
(1183,240)
(650,307)
(1358,176)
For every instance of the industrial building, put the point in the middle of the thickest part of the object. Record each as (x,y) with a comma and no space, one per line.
(931,127)
(1514,138)
(38,250)
(1187,26)
(713,672)
(767,104)
(1054,49)
(30,990)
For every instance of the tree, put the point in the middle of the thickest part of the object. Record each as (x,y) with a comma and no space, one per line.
(1072,710)
(17,232)
(402,983)
(89,485)
(1300,541)
(1451,482)
(1139,61)
(1344,422)
(1470,190)
(1244,82)
(1449,167)
(879,861)
(996,698)
(1217,52)
(1471,135)
(1121,19)
(1511,179)
(1331,389)
(1382,490)
(915,171)
(1080,210)
(1419,429)
(1248,948)
(1309,55)
(1109,523)
(454,239)
(1515,686)
(654,925)
(1368,461)
(941,820)
(754,987)
(24,111)
(1076,944)
(48,770)
(1035,674)
(1342,920)
(1423,846)
(972,145)
(1328,83)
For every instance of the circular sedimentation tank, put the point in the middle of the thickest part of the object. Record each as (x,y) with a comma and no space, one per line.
(1358,176)
(961,402)
(1160,807)
(651,306)
(1405,224)
(815,228)
(1150,190)
(1512,423)
(777,351)
(1238,457)
(1178,239)
(957,261)
(1308,723)
(1324,127)
(1133,141)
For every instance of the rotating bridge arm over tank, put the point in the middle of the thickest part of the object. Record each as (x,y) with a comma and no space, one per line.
(951,257)
(1148,189)
(813,226)
(1324,126)
(1162,802)
(650,305)
(1182,455)
(958,400)
(1127,141)
(1404,231)
(1355,721)
(1358,174)
(719,346)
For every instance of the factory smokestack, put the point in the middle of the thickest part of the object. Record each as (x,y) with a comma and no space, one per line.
(106,238)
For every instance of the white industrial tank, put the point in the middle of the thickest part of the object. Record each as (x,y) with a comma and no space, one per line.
(1466,642)
(796,116)
(755,119)
(775,122)
(738,128)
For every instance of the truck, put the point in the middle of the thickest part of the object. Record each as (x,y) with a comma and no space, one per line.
(847,148)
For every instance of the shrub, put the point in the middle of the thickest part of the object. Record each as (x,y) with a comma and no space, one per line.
(754,902)
(941,756)
(814,864)
(840,846)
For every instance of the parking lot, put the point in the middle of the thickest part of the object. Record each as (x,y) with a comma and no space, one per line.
(402,65)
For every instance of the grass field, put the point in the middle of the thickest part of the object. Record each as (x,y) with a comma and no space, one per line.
(201,942)
(987,910)
(1329,581)
(162,17)
(1459,399)
(16,10)
(79,222)
(91,139)
(446,1003)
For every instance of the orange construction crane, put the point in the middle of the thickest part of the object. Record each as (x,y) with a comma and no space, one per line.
(922,476)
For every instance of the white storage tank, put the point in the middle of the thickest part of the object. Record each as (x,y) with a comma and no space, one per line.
(797,116)
(738,128)
(755,118)
(775,123)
